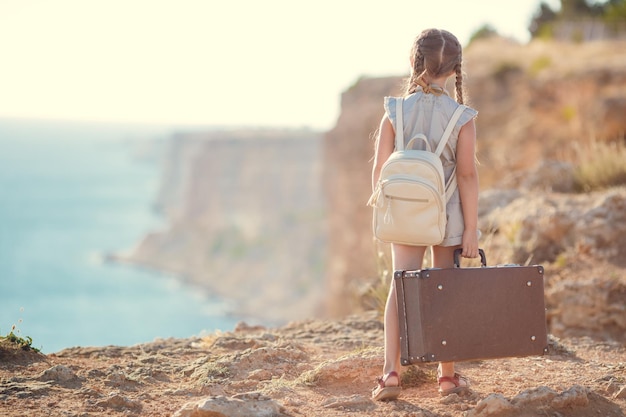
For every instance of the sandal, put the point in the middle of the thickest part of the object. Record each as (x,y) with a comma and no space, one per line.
(384,393)
(456,380)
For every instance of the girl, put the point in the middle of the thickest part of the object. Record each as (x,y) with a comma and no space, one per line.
(435,56)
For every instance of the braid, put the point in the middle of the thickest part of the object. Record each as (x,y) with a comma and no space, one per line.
(459,83)
(418,68)
(418,72)
(436,53)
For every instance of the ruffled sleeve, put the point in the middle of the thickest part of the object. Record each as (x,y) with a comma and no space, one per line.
(468,114)
(390,109)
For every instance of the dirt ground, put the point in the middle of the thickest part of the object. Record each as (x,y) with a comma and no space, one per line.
(312,368)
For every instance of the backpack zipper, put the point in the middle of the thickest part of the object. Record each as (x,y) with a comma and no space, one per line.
(417,200)
(416,181)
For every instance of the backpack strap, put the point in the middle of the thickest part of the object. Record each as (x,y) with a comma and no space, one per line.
(399,126)
(446,134)
(451,185)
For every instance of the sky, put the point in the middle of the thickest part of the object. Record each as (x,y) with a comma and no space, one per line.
(269,63)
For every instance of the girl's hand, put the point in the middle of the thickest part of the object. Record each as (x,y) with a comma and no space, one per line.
(470,244)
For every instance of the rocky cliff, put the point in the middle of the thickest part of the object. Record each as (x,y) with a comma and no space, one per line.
(245,220)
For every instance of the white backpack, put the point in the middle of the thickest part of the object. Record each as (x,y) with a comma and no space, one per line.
(410,197)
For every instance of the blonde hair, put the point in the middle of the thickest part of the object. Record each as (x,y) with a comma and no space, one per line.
(436,53)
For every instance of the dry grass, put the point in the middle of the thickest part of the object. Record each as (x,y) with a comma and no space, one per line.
(375,296)
(600,165)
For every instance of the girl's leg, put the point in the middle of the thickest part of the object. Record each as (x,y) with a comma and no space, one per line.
(443,258)
(403,258)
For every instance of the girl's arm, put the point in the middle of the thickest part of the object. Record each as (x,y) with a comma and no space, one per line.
(384,147)
(467,179)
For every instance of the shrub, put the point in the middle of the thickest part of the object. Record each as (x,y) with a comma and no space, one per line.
(17,341)
(539,64)
(600,165)
(506,68)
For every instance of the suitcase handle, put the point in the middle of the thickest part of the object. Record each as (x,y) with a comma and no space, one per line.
(457,253)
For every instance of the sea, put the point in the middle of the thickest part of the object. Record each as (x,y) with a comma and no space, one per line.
(70,194)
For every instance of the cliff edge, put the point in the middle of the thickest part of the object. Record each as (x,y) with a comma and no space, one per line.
(307,368)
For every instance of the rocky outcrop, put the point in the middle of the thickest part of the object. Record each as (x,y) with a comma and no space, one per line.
(241,405)
(540,227)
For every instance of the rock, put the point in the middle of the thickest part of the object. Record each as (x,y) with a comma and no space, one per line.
(260,375)
(547,176)
(359,367)
(244,327)
(576,396)
(120,380)
(542,226)
(119,402)
(535,396)
(536,401)
(234,343)
(61,375)
(492,405)
(550,176)
(271,356)
(493,199)
(351,403)
(451,399)
(243,405)
(596,305)
(25,390)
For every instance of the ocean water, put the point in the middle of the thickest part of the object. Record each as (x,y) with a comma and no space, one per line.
(69,194)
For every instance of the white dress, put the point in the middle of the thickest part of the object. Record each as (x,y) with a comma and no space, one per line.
(429,114)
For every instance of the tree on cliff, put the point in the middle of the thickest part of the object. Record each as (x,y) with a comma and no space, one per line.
(485,31)
(610,14)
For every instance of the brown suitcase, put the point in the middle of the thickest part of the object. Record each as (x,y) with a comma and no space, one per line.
(461,314)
